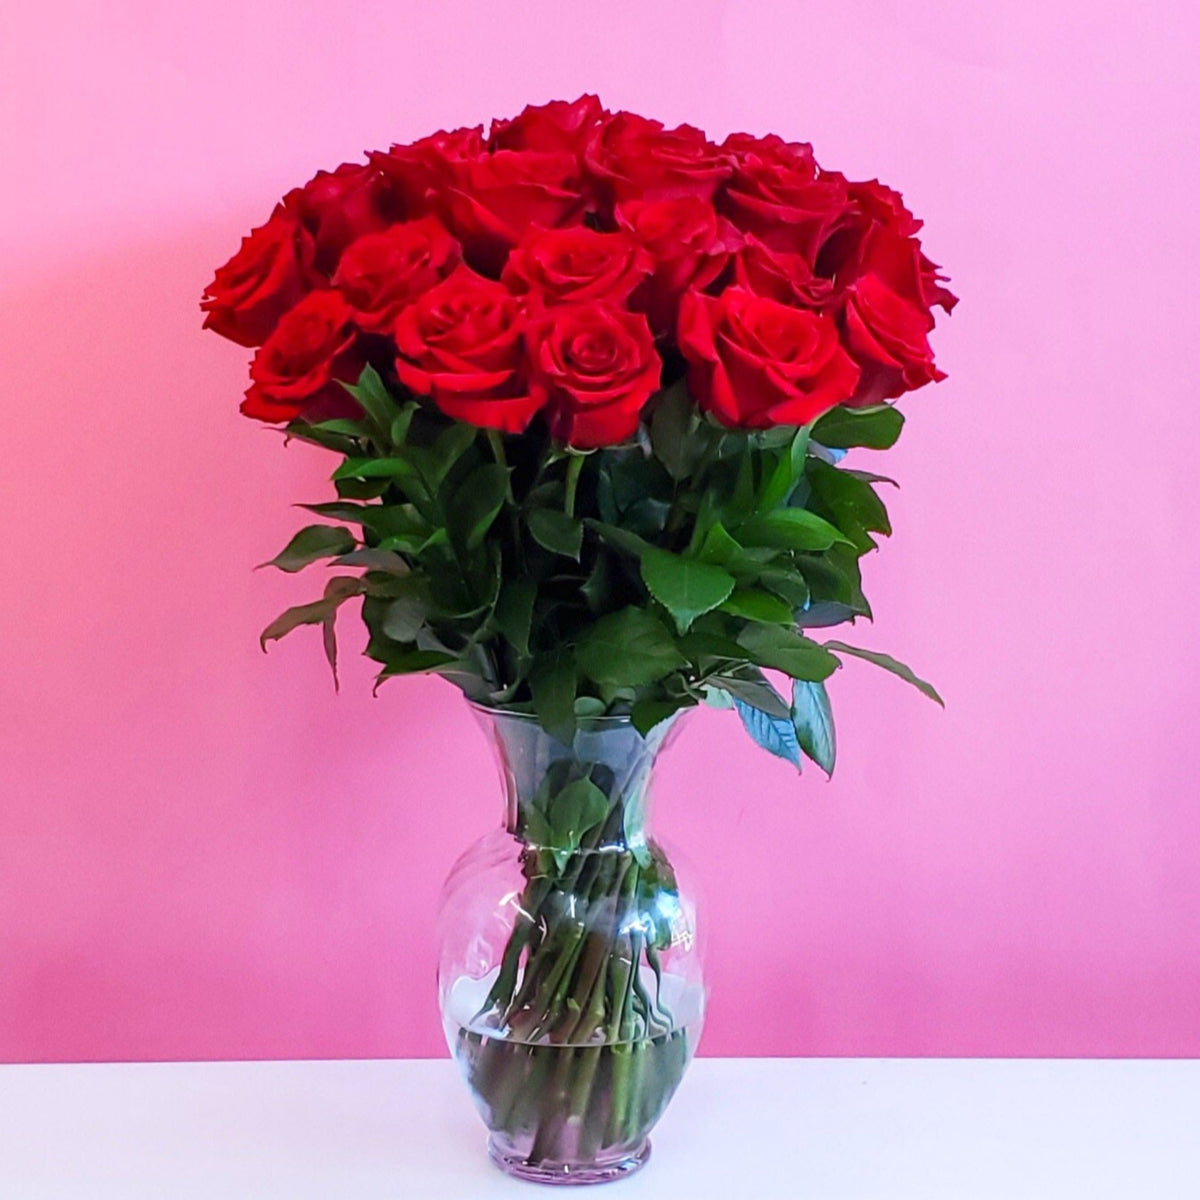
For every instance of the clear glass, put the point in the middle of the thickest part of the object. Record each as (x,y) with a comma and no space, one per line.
(570,969)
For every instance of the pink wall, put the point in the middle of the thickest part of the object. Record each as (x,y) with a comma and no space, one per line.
(205,853)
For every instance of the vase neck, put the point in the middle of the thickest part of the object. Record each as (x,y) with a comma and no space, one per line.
(593,792)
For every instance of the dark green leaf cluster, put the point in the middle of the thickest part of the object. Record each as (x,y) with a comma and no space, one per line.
(639,579)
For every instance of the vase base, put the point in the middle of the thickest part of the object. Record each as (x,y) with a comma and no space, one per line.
(568,1173)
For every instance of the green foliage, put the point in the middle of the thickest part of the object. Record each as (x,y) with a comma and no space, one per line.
(639,579)
(552,690)
(556,531)
(557,821)
(889,664)
(787,651)
(790,529)
(476,504)
(753,688)
(628,648)
(313,542)
(686,588)
(876,428)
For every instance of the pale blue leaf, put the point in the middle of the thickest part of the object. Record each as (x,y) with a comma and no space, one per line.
(812,717)
(776,735)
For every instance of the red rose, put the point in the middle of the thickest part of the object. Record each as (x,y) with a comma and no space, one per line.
(269,273)
(337,207)
(690,246)
(638,159)
(416,172)
(887,315)
(575,264)
(295,370)
(744,148)
(495,198)
(781,276)
(882,205)
(878,208)
(461,344)
(560,127)
(779,194)
(382,272)
(755,362)
(932,279)
(594,367)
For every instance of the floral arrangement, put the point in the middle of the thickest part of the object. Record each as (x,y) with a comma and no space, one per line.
(591,381)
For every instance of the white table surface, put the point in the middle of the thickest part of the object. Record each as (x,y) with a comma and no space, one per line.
(800,1129)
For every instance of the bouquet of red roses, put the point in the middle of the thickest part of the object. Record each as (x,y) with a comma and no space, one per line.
(591,380)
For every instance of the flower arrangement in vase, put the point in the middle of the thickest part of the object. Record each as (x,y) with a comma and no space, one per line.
(590,382)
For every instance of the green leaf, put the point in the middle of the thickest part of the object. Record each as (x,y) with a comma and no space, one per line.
(413,662)
(675,434)
(580,806)
(313,542)
(889,664)
(787,651)
(851,501)
(781,482)
(876,428)
(790,529)
(476,504)
(757,606)
(788,585)
(620,539)
(552,685)
(556,531)
(650,712)
(514,612)
(361,489)
(373,468)
(329,439)
(337,591)
(402,421)
(628,648)
(718,547)
(383,519)
(597,588)
(628,478)
(558,825)
(685,587)
(341,425)
(756,691)
(414,543)
(448,447)
(538,831)
(870,477)
(376,400)
(835,576)
(741,503)
(824,614)
(812,717)
(406,614)
(373,559)
(700,646)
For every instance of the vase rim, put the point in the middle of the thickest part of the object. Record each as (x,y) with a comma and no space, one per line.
(608,721)
(494,710)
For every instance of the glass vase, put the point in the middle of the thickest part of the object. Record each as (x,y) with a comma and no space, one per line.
(569,968)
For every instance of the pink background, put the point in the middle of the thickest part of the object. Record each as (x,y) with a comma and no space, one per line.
(206,853)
